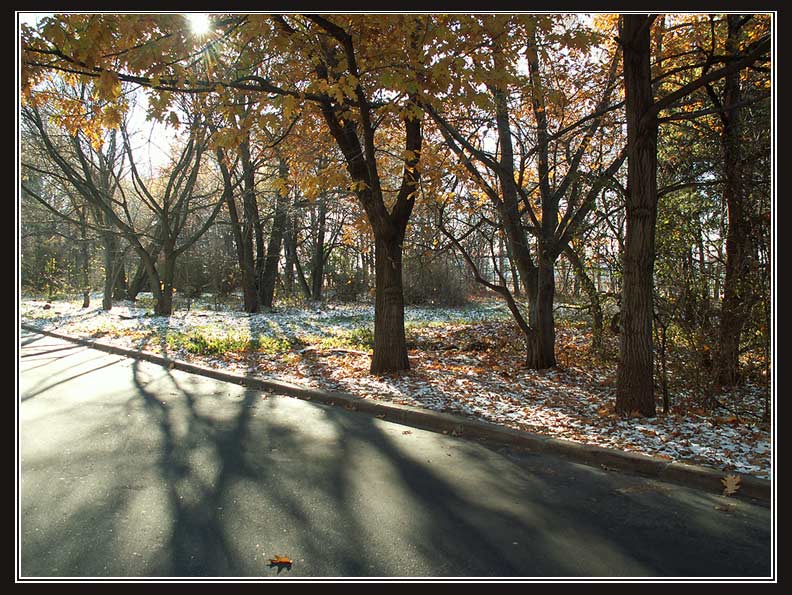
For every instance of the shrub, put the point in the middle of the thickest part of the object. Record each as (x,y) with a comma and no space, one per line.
(436,281)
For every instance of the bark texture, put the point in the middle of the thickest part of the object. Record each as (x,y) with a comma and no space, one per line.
(635,381)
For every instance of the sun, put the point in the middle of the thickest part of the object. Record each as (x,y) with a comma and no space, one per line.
(200,23)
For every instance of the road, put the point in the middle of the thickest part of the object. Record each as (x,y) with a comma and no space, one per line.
(132,470)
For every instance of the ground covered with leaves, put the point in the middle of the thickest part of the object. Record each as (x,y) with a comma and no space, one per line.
(467,361)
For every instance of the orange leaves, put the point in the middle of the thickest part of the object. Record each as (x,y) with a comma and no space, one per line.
(281,561)
(606,412)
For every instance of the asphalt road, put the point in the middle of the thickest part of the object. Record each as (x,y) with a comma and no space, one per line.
(133,470)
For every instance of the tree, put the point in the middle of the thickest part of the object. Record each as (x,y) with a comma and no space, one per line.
(635,385)
(172,200)
(88,169)
(153,50)
(544,207)
(635,382)
(737,287)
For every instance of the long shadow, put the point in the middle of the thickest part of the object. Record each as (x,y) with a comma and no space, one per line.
(567,506)
(37,390)
(34,337)
(332,491)
(40,353)
(198,544)
(45,362)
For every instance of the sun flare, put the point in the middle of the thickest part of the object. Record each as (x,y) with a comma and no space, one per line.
(200,24)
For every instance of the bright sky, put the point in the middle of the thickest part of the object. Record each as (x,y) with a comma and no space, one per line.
(151,140)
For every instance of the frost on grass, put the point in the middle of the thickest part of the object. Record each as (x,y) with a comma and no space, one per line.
(464,361)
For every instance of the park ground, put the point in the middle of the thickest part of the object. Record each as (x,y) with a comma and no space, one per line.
(466,361)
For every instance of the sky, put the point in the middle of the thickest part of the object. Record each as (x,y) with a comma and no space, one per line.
(151,140)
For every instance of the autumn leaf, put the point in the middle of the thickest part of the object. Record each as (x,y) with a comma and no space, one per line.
(731,483)
(280,561)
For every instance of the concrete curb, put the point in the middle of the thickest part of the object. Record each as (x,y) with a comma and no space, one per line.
(690,475)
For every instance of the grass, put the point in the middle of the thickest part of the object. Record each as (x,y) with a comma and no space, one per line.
(207,341)
(361,339)
(201,342)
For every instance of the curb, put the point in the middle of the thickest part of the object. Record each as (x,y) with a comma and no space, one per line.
(681,473)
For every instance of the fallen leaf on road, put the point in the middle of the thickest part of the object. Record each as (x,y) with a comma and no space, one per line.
(731,483)
(280,561)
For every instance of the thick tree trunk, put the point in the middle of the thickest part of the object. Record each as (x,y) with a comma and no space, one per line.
(541,343)
(247,268)
(269,273)
(152,275)
(164,305)
(735,287)
(635,381)
(390,345)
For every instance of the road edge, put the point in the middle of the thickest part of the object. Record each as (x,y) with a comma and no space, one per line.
(697,476)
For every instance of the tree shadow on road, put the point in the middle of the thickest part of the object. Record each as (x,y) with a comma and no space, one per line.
(241,476)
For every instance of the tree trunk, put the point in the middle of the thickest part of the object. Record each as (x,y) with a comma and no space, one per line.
(137,282)
(164,305)
(119,276)
(247,268)
(735,287)
(85,259)
(243,240)
(303,282)
(541,343)
(252,223)
(635,382)
(595,306)
(513,269)
(290,254)
(269,273)
(108,243)
(317,269)
(390,345)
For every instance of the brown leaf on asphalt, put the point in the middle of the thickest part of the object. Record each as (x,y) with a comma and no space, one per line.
(280,561)
(731,483)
